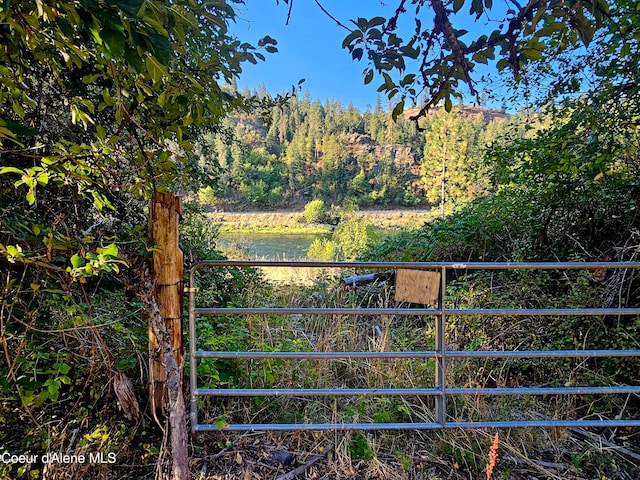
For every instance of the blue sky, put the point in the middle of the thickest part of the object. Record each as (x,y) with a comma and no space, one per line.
(310,47)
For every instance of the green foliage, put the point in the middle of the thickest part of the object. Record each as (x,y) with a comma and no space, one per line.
(198,235)
(350,238)
(566,190)
(100,105)
(438,59)
(207,195)
(308,150)
(324,249)
(359,448)
(315,211)
(354,235)
(452,144)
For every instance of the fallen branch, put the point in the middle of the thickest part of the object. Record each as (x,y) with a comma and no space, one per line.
(203,470)
(610,445)
(298,470)
(539,463)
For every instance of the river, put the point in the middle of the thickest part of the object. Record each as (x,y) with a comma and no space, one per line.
(267,246)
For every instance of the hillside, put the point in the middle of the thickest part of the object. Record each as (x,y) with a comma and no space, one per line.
(310,150)
(487,115)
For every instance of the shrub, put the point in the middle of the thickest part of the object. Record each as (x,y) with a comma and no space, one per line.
(315,211)
(323,249)
(354,235)
(207,196)
(350,239)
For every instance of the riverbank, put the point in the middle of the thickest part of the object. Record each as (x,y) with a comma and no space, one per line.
(292,222)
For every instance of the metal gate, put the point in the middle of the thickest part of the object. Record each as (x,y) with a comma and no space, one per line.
(441,391)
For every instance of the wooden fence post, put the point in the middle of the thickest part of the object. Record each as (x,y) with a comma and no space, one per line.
(164,218)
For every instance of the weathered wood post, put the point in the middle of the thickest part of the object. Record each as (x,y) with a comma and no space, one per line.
(164,218)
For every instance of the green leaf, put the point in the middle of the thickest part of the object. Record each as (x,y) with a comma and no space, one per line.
(408,79)
(101,201)
(43,178)
(267,40)
(10,170)
(31,196)
(447,104)
(17,108)
(77,261)
(397,110)
(161,47)
(480,57)
(114,42)
(356,34)
(375,21)
(109,250)
(457,5)
(101,133)
(133,58)
(368,76)
(476,7)
(17,128)
(584,27)
(531,53)
(388,81)
(221,422)
(53,386)
(87,79)
(155,69)
(64,368)
(130,7)
(550,29)
(502,64)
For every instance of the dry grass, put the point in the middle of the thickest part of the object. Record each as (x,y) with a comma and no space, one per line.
(452,454)
(523,455)
(293,222)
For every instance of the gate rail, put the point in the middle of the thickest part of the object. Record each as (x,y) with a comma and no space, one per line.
(440,390)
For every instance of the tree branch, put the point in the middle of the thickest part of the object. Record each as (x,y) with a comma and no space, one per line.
(338,22)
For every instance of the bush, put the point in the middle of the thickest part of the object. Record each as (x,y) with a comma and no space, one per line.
(207,196)
(350,239)
(354,235)
(315,211)
(323,249)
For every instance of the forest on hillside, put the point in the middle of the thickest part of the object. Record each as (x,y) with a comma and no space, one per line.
(311,150)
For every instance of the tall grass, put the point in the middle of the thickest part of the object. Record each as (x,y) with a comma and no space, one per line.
(465,451)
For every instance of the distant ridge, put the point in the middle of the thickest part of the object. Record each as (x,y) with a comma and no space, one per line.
(466,111)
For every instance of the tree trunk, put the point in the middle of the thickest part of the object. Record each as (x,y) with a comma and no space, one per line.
(176,405)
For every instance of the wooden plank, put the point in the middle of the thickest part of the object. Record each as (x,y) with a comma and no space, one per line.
(418,286)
